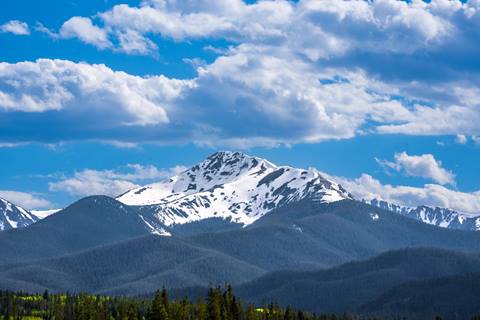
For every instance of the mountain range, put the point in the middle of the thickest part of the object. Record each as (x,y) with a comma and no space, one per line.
(274,232)
(234,188)
(441,217)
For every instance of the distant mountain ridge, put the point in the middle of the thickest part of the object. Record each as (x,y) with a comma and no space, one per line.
(87,223)
(13,216)
(239,188)
(330,290)
(101,245)
(440,217)
(232,186)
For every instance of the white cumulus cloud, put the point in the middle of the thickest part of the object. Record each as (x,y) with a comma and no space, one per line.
(293,72)
(335,25)
(425,166)
(86,90)
(434,195)
(25,200)
(110,182)
(83,29)
(461,139)
(16,27)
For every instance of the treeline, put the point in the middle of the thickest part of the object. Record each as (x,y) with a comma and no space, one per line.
(220,304)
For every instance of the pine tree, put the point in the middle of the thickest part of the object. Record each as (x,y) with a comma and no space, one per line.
(46,295)
(289,315)
(9,307)
(158,310)
(300,315)
(200,310)
(163,313)
(164,298)
(251,315)
(132,312)
(214,304)
(236,309)
(14,307)
(57,309)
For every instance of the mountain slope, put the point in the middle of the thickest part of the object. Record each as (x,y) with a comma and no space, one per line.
(441,217)
(348,287)
(130,267)
(309,235)
(232,186)
(85,224)
(303,235)
(453,297)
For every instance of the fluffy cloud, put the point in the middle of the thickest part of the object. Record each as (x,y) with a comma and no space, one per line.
(316,29)
(461,139)
(91,182)
(282,99)
(132,42)
(83,90)
(16,27)
(110,182)
(83,29)
(25,200)
(336,25)
(440,120)
(425,166)
(295,72)
(368,188)
(11,144)
(277,100)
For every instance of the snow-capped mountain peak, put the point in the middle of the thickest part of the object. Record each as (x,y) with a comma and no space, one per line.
(219,168)
(13,216)
(232,185)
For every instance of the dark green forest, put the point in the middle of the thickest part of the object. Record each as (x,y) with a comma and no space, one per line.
(219,304)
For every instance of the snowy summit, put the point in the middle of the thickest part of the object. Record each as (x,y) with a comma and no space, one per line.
(234,186)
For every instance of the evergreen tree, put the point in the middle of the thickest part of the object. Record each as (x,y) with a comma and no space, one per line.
(8,309)
(163,313)
(200,310)
(158,310)
(289,315)
(132,312)
(57,308)
(251,313)
(45,295)
(300,315)
(214,304)
(236,308)
(164,298)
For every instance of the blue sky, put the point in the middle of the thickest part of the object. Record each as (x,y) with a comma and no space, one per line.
(100,96)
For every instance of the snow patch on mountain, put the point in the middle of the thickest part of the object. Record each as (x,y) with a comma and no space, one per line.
(13,216)
(233,186)
(374,216)
(42,214)
(441,217)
